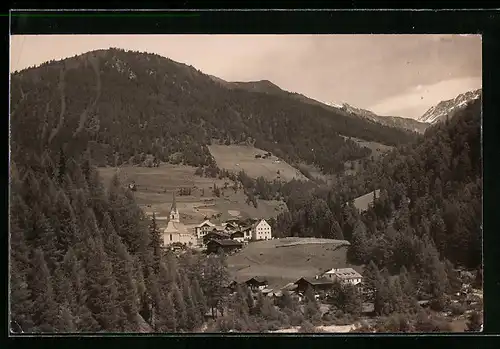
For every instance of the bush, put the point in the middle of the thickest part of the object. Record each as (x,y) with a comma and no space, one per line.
(307,327)
(295,317)
(457,309)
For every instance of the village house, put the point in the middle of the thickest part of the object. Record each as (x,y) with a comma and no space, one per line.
(214,235)
(176,232)
(227,246)
(238,236)
(261,230)
(203,228)
(344,275)
(257,283)
(316,283)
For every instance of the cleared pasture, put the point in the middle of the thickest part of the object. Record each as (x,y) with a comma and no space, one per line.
(156,185)
(241,157)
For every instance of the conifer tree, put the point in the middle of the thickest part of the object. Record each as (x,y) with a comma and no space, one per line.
(45,312)
(169,314)
(156,243)
(101,286)
(180,308)
(199,297)
(20,267)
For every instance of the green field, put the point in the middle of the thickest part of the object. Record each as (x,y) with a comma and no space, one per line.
(282,261)
(241,157)
(378,149)
(155,187)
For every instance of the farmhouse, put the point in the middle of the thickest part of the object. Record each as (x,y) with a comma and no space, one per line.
(203,228)
(227,246)
(344,275)
(238,236)
(317,284)
(261,230)
(257,283)
(214,235)
(176,232)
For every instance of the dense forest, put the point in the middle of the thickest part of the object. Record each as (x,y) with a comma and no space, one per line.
(84,258)
(127,105)
(430,195)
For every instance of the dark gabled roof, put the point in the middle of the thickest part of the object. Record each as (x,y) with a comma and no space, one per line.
(226,242)
(237,232)
(314,281)
(218,233)
(258,279)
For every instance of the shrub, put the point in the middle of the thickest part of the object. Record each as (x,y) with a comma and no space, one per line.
(307,327)
(457,309)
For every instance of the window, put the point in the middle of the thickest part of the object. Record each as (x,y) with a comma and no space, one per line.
(170,237)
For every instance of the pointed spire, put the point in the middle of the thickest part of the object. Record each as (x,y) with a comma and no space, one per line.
(174,203)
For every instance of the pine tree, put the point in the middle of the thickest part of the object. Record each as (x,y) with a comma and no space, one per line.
(123,272)
(45,312)
(101,286)
(193,315)
(20,302)
(66,322)
(169,314)
(180,308)
(371,278)
(199,297)
(215,278)
(358,249)
(156,243)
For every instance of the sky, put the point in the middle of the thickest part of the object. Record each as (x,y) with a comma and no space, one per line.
(397,75)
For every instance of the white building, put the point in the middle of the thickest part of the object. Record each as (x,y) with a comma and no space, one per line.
(345,275)
(203,228)
(175,230)
(261,231)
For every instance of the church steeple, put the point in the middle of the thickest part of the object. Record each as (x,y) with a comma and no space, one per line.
(174,203)
(174,213)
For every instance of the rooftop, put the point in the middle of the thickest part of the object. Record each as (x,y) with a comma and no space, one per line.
(318,281)
(259,279)
(345,273)
(226,242)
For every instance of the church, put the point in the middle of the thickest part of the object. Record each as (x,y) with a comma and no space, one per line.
(176,232)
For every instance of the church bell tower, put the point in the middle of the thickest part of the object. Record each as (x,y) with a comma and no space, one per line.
(174,213)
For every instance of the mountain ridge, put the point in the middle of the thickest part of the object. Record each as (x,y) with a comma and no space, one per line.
(266,86)
(446,108)
(149,104)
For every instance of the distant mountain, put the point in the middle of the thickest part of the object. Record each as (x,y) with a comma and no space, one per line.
(447,108)
(128,105)
(266,86)
(391,121)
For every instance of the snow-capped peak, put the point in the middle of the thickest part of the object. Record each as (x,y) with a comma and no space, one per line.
(445,109)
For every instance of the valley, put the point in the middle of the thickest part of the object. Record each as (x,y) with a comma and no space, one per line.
(168,200)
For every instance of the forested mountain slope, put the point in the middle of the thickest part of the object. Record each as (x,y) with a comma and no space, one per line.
(428,190)
(126,104)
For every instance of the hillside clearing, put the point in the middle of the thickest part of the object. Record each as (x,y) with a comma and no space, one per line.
(282,261)
(364,201)
(156,185)
(241,157)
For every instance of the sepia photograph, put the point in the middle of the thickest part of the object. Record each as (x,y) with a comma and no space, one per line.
(268,184)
